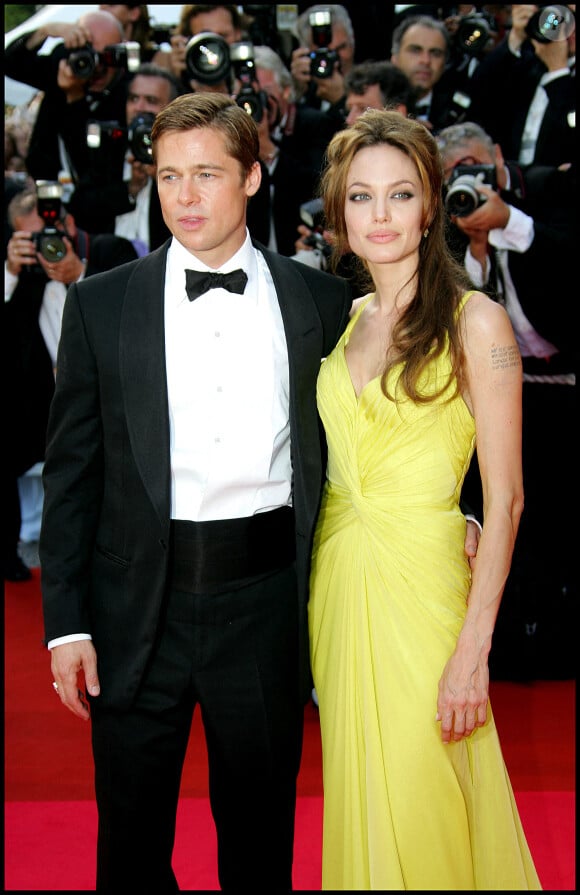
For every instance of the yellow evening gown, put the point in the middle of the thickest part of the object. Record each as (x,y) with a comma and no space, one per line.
(388,596)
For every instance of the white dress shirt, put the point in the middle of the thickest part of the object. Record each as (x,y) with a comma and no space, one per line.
(228,389)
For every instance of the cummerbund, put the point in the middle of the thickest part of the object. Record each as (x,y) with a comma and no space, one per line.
(214,556)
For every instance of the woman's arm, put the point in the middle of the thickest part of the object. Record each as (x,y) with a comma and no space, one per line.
(493,392)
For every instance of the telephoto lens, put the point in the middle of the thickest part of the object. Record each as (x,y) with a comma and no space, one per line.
(207,58)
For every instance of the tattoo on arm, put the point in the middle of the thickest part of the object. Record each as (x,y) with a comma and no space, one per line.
(504,356)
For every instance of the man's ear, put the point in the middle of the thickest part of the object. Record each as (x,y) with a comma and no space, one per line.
(254,179)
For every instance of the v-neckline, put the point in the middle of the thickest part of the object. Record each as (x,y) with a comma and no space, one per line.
(345,342)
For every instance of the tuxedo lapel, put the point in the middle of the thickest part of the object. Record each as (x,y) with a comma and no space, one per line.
(304,342)
(143,376)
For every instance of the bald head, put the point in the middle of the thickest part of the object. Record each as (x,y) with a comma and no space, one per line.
(103,27)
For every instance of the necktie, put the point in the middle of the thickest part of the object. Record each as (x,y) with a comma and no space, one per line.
(197,282)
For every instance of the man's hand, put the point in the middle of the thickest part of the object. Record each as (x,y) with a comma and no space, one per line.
(66,271)
(73,35)
(300,70)
(67,662)
(21,252)
(472,536)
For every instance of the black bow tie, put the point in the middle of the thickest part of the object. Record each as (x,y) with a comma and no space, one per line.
(197,282)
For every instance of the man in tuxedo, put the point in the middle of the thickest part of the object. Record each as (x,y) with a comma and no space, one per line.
(34,292)
(182,479)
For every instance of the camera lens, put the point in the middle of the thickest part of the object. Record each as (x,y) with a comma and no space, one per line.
(473,34)
(322,63)
(462,197)
(207,58)
(82,62)
(52,247)
(551,23)
(139,134)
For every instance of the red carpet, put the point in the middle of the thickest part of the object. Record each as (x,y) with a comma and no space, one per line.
(50,818)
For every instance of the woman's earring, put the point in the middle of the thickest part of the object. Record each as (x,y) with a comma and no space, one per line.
(426,233)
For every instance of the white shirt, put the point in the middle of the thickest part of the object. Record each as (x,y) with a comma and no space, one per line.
(134,225)
(535,116)
(228,388)
(516,236)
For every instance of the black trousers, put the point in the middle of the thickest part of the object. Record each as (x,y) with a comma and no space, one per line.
(235,655)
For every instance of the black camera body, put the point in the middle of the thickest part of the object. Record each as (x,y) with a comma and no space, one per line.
(251,100)
(473,33)
(107,143)
(462,197)
(312,214)
(48,241)
(85,61)
(322,60)
(209,59)
(550,23)
(139,137)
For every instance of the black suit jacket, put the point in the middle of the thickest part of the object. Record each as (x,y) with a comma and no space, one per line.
(105,532)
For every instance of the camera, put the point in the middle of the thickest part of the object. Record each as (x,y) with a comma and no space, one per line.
(252,101)
(207,58)
(48,241)
(473,33)
(85,61)
(312,214)
(210,59)
(462,196)
(107,143)
(551,23)
(322,60)
(139,137)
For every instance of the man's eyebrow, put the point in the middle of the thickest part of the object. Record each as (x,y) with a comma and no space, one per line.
(202,166)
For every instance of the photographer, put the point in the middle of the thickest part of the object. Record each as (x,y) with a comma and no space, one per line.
(517,243)
(80,83)
(326,55)
(225,21)
(35,286)
(535,120)
(293,140)
(421,47)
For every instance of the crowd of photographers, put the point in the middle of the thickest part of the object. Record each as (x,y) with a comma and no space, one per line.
(494,83)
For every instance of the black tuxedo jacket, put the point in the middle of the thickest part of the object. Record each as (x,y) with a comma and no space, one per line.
(105,532)
(28,367)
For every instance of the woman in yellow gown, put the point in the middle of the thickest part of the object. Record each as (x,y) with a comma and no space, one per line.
(416,792)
